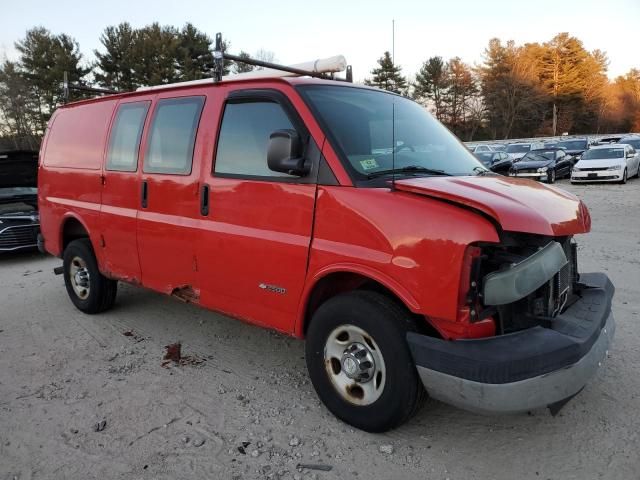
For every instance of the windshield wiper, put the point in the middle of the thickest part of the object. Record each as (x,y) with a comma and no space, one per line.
(409,169)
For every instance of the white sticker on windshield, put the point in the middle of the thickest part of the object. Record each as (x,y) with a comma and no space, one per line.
(369,163)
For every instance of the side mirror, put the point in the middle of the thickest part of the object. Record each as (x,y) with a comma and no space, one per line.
(630,155)
(285,153)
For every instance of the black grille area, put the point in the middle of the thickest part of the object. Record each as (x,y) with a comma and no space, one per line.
(562,285)
(12,238)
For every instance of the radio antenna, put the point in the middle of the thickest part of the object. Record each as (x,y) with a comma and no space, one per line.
(393,145)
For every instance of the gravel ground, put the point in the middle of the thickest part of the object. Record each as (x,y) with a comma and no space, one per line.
(89,397)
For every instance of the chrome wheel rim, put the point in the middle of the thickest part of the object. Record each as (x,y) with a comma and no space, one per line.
(355,365)
(79,276)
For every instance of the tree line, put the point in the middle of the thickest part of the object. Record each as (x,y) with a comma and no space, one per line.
(128,58)
(535,89)
(516,91)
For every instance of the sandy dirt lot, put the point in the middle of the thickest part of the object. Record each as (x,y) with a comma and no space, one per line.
(244,408)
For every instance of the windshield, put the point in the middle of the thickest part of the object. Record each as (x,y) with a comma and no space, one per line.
(545,154)
(369,128)
(573,144)
(485,158)
(634,142)
(518,148)
(17,191)
(600,153)
(538,156)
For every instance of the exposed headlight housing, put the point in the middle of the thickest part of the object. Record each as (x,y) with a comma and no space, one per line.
(615,167)
(542,170)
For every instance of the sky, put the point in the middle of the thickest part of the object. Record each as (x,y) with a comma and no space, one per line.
(299,31)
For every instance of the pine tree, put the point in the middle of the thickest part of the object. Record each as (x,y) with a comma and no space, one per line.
(241,67)
(156,52)
(194,55)
(562,76)
(116,66)
(388,76)
(44,58)
(431,85)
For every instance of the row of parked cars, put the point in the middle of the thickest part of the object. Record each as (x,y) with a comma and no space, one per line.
(612,159)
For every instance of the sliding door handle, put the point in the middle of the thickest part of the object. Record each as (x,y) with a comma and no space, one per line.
(204,200)
(144,194)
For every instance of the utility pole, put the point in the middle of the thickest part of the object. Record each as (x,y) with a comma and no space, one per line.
(393,42)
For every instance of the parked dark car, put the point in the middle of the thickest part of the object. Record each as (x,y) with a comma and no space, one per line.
(19,220)
(545,164)
(574,147)
(498,162)
(633,140)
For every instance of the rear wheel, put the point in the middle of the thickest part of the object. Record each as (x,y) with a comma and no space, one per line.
(359,361)
(89,290)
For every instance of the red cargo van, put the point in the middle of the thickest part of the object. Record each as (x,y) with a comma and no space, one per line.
(341,214)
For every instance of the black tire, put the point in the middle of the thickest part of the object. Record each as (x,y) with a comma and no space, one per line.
(624,177)
(387,323)
(551,177)
(101,291)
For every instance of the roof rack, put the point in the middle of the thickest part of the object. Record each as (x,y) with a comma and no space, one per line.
(324,68)
(66,86)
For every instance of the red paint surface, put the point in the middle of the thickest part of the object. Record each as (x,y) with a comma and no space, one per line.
(279,234)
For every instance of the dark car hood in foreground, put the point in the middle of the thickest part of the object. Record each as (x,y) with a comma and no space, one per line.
(518,205)
(522,165)
(18,169)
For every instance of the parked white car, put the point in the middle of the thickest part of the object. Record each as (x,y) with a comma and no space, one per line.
(607,163)
(480,148)
(519,150)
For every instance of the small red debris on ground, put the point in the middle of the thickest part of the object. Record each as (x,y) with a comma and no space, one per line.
(174,354)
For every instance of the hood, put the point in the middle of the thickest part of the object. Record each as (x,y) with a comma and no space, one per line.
(518,205)
(531,164)
(18,169)
(602,163)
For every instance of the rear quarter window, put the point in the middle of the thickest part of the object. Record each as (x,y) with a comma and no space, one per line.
(125,137)
(78,135)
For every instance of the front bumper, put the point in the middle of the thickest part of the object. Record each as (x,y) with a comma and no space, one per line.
(525,370)
(532,175)
(597,176)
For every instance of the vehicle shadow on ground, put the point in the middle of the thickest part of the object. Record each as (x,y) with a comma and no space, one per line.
(20,257)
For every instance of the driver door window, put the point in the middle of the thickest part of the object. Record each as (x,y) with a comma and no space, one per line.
(244,138)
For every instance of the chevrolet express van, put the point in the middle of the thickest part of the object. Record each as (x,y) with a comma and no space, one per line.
(340,214)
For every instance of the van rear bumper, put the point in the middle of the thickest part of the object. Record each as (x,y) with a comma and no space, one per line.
(525,370)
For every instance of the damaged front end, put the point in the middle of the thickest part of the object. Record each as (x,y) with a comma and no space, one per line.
(525,281)
(553,328)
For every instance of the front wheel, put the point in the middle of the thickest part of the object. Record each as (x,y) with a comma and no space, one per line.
(89,290)
(359,361)
(551,176)
(624,177)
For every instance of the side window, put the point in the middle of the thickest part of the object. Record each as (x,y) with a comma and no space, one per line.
(173,135)
(244,137)
(126,132)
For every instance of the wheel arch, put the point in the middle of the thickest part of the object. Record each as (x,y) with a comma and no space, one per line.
(338,279)
(72,228)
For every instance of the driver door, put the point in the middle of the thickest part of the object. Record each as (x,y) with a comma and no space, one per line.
(254,246)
